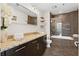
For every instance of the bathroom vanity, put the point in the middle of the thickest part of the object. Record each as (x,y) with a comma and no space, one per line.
(33,45)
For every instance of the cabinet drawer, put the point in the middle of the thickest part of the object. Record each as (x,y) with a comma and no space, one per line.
(14,51)
(10,52)
(32,48)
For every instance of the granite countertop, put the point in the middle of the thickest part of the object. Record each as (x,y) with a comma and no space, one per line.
(10,43)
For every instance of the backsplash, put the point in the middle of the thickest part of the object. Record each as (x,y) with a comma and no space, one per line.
(21,28)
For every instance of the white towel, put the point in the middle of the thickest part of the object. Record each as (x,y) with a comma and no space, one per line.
(18,36)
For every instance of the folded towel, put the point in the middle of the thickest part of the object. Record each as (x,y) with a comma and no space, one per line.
(18,36)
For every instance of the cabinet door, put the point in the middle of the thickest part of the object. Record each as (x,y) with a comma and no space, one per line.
(10,52)
(16,51)
(3,53)
(42,45)
(32,48)
(20,51)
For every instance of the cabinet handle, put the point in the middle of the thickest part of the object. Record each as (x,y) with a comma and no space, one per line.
(20,49)
(34,42)
(37,46)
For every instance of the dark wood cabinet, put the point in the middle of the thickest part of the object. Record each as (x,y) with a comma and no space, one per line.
(42,45)
(36,47)
(16,51)
(32,48)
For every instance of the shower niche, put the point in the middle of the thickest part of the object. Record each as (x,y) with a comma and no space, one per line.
(66,29)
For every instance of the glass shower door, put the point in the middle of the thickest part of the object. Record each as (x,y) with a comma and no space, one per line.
(59,28)
(56,26)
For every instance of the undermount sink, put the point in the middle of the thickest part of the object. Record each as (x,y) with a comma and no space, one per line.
(20,36)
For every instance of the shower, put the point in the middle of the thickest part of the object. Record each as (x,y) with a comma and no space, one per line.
(64,26)
(56,26)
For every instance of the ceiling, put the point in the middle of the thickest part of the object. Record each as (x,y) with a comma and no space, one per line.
(22,9)
(56,8)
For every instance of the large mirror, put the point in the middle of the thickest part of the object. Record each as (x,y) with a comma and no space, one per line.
(16,18)
(31,16)
(11,12)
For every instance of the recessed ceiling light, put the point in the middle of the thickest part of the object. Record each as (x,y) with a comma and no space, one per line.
(17,4)
(55,6)
(63,4)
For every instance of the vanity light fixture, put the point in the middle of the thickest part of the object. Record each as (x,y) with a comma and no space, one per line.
(55,6)
(42,17)
(63,4)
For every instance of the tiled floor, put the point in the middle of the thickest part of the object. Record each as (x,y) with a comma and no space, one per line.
(61,48)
